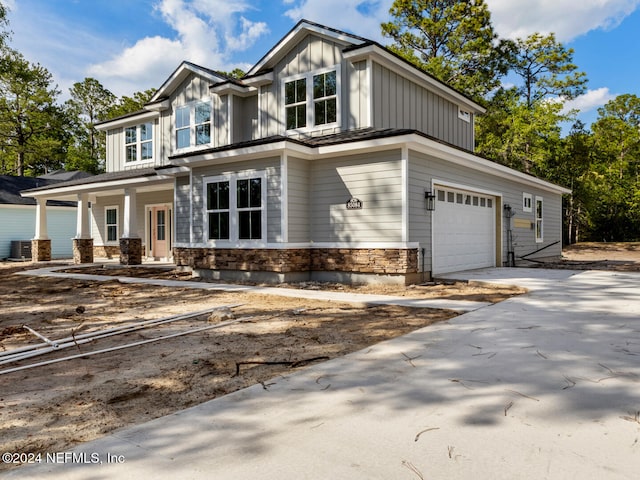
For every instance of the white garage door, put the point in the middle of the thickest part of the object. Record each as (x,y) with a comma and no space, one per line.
(464,230)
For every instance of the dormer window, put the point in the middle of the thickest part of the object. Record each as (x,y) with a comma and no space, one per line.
(193,125)
(311,100)
(138,143)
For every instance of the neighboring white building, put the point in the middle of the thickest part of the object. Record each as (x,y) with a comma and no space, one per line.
(18,217)
(333,158)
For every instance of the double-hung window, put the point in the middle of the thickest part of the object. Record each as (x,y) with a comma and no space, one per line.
(539,220)
(311,100)
(138,141)
(235,207)
(111,224)
(218,210)
(296,103)
(193,125)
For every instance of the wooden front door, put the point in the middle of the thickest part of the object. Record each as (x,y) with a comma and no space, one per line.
(159,232)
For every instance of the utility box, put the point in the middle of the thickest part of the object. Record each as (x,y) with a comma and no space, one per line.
(21,249)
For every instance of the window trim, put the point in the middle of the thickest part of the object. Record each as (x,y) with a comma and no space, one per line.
(539,220)
(138,144)
(107,225)
(464,115)
(193,138)
(310,101)
(527,206)
(234,227)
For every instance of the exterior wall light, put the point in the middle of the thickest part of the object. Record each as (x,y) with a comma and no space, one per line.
(430,200)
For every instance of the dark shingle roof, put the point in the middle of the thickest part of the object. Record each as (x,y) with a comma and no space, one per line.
(10,188)
(103,177)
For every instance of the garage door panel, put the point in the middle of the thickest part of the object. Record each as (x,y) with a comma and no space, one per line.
(464,231)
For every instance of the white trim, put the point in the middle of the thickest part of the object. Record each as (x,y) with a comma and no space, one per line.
(192,127)
(310,101)
(459,186)
(300,31)
(142,117)
(309,245)
(234,241)
(191,205)
(525,208)
(171,225)
(404,159)
(105,240)
(370,103)
(138,144)
(284,200)
(464,115)
(539,239)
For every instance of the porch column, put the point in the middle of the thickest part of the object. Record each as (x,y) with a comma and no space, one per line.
(82,243)
(130,243)
(41,244)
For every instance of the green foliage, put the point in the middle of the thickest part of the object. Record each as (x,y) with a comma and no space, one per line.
(235,73)
(132,104)
(546,69)
(616,138)
(27,114)
(450,39)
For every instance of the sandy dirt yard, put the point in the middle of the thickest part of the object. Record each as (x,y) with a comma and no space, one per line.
(52,407)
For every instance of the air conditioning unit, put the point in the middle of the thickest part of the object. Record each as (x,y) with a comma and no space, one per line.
(21,249)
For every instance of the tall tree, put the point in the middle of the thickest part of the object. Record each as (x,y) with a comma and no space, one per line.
(522,124)
(90,103)
(616,135)
(546,70)
(27,108)
(452,40)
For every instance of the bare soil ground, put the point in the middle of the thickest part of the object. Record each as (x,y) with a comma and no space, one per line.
(53,407)
(623,257)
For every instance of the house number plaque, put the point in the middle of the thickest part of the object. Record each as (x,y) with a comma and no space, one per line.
(354,204)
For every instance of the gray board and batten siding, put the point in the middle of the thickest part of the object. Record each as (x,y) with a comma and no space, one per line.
(400,103)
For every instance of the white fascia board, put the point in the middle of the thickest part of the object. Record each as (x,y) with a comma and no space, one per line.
(260,80)
(459,157)
(232,88)
(384,58)
(127,121)
(179,75)
(246,153)
(72,191)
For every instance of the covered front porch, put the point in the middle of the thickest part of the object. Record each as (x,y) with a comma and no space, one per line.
(126,215)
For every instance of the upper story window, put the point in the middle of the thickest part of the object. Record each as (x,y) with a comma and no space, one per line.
(312,100)
(138,141)
(193,125)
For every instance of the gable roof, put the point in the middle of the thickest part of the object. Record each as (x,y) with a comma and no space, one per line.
(355,48)
(180,74)
(297,33)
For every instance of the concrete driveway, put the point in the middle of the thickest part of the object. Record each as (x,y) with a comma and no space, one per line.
(546,385)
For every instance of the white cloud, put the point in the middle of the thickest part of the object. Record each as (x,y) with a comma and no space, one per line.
(207,33)
(589,101)
(361,17)
(568,19)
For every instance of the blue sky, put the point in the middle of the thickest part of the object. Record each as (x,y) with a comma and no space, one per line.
(133,45)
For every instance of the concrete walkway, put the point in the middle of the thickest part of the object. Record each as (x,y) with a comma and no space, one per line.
(544,386)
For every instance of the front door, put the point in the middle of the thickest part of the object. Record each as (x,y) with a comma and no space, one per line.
(159,231)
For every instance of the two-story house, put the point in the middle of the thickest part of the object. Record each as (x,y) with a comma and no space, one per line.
(332,159)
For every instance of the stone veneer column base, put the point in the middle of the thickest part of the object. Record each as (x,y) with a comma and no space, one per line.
(82,250)
(40,250)
(130,251)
